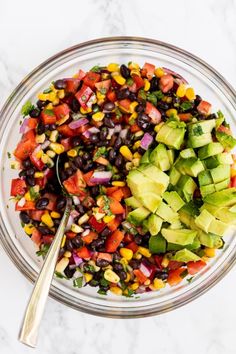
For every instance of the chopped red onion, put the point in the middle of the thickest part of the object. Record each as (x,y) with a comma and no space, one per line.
(146,141)
(77,259)
(78,123)
(110,132)
(169,71)
(145,270)
(101,177)
(45,144)
(24,126)
(69,223)
(94,130)
(86,134)
(21,202)
(74,213)
(123,133)
(76,200)
(117,128)
(85,233)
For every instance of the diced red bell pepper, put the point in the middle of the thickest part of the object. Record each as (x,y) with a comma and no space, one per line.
(204,107)
(195,267)
(106,256)
(47,239)
(87,176)
(72,84)
(36,214)
(115,206)
(25,146)
(83,95)
(80,75)
(91,79)
(61,111)
(139,274)
(139,82)
(125,105)
(132,246)
(166,83)
(153,113)
(75,184)
(66,131)
(149,68)
(233,182)
(113,225)
(126,192)
(96,225)
(224,129)
(113,241)
(18,187)
(185,117)
(90,237)
(110,190)
(128,238)
(158,260)
(29,205)
(83,252)
(174,265)
(36,237)
(134,128)
(48,116)
(174,276)
(70,234)
(32,123)
(111,96)
(117,195)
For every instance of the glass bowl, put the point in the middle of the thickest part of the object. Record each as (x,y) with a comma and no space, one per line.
(206,81)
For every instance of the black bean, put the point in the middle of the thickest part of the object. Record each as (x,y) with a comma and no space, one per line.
(132,96)
(139,108)
(138,239)
(118,143)
(197,100)
(80,209)
(30,171)
(121,94)
(69,272)
(63,176)
(93,138)
(75,105)
(78,161)
(52,127)
(76,141)
(30,180)
(176,101)
(103,143)
(122,275)
(73,166)
(26,163)
(109,106)
(69,171)
(124,71)
(94,191)
(162,275)
(119,161)
(154,84)
(88,166)
(40,128)
(22,173)
(60,84)
(112,155)
(77,241)
(41,104)
(35,113)
(61,202)
(24,217)
(103,133)
(102,262)
(93,283)
(143,121)
(116,256)
(108,122)
(140,150)
(134,263)
(97,243)
(118,267)
(86,156)
(101,249)
(42,203)
(163,105)
(46,127)
(56,222)
(201,117)
(104,288)
(105,232)
(44,230)
(97,276)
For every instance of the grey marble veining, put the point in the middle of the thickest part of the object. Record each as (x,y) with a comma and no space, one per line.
(29,35)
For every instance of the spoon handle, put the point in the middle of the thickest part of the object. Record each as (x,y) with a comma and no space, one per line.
(35,308)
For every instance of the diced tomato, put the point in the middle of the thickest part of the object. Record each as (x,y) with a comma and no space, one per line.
(91,79)
(25,146)
(224,129)
(185,117)
(83,252)
(70,234)
(29,205)
(80,75)
(36,237)
(233,182)
(132,246)
(110,190)
(139,82)
(47,239)
(87,176)
(96,225)
(118,195)
(174,276)
(52,201)
(38,163)
(66,143)
(134,128)
(48,116)
(111,96)
(153,113)
(83,95)
(103,85)
(75,184)
(149,68)
(128,238)
(133,87)
(115,206)
(18,187)
(72,84)
(36,214)
(125,105)
(61,111)
(113,225)
(174,265)
(126,192)
(158,261)
(204,107)
(166,83)
(90,237)
(195,267)
(106,256)
(113,241)
(139,274)
(32,123)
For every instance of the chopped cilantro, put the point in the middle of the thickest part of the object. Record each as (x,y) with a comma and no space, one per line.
(78,282)
(129,293)
(152,98)
(118,113)
(184,274)
(102,190)
(96,69)
(34,195)
(220,114)
(129,81)
(25,110)
(101,292)
(185,106)
(22,224)
(89,268)
(49,112)
(106,206)
(142,94)
(100,152)
(43,250)
(104,282)
(8,154)
(60,275)
(189,280)
(198,130)
(48,90)
(159,95)
(103,90)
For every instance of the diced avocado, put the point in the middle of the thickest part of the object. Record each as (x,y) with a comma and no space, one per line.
(209,240)
(193,166)
(193,246)
(211,162)
(225,158)
(150,201)
(199,140)
(137,216)
(179,165)
(233,209)
(174,200)
(159,158)
(192,208)
(210,150)
(224,214)
(176,224)
(154,223)
(155,175)
(157,244)
(140,184)
(222,185)
(145,157)
(171,134)
(185,218)
(185,256)
(209,189)
(203,221)
(166,213)
(225,198)
(218,227)
(174,176)
(204,178)
(226,140)
(132,202)
(186,187)
(187,153)
(171,156)
(220,173)
(180,237)
(200,128)
(220,119)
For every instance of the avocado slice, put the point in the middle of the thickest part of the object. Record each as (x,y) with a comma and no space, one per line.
(202,127)
(174,176)
(209,240)
(225,158)
(209,189)
(185,218)
(218,227)
(226,140)
(132,202)
(154,224)
(210,150)
(187,153)
(157,244)
(171,134)
(146,157)
(222,185)
(159,158)
(140,184)
(203,221)
(155,175)
(171,156)
(174,200)
(225,198)
(166,213)
(137,216)
(185,256)
(199,141)
(193,166)
(151,201)
(181,237)
(227,215)
(220,173)
(205,178)
(192,246)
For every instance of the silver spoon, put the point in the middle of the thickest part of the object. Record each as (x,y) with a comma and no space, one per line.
(35,308)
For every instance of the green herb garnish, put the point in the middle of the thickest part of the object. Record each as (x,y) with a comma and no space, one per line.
(129,81)
(101,292)
(106,206)
(78,282)
(49,112)
(185,106)
(8,154)
(189,280)
(198,130)
(60,275)
(104,282)
(152,98)
(43,250)
(100,152)
(103,90)
(159,95)
(118,113)
(48,90)
(95,69)
(27,108)
(34,195)
(142,94)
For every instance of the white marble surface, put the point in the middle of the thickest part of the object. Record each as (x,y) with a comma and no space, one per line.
(32,31)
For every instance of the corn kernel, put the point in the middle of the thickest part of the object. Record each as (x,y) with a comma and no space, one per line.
(158,284)
(108,218)
(168,99)
(29,228)
(84,218)
(116,290)
(137,144)
(67,254)
(118,183)
(40,138)
(137,155)
(88,277)
(159,72)
(158,127)
(125,151)
(128,166)
(100,96)
(62,264)
(137,255)
(57,148)
(144,251)
(49,106)
(139,134)
(113,67)
(132,106)
(62,120)
(147,282)
(56,101)
(38,174)
(55,215)
(134,286)
(124,262)
(165,262)
(146,85)
(190,94)
(119,79)
(45,158)
(136,162)
(72,153)
(111,276)
(181,90)
(171,112)
(47,220)
(133,116)
(85,111)
(128,277)
(39,154)
(135,72)
(133,65)
(126,253)
(66,165)
(63,241)
(210,252)
(61,94)
(51,153)
(53,136)
(27,196)
(98,116)
(76,228)
(43,97)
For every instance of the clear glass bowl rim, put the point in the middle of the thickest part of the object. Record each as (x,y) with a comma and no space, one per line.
(12,101)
